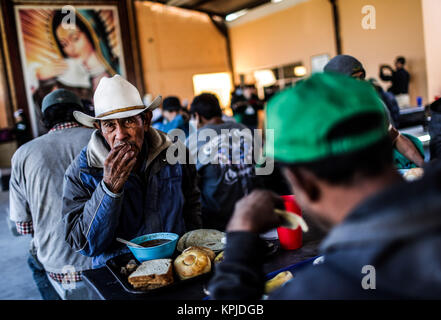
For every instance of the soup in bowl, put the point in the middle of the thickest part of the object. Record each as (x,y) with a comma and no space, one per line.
(155,246)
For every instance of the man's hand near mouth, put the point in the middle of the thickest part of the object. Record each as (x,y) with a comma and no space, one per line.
(118,165)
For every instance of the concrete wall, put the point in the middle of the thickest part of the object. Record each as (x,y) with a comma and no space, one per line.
(176,44)
(306,29)
(432,31)
(399,31)
(288,36)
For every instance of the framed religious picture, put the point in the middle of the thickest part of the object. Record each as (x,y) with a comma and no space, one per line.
(68,46)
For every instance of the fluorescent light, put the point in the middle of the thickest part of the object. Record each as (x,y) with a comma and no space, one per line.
(276,1)
(299,71)
(233,16)
(424,138)
(219,84)
(265,78)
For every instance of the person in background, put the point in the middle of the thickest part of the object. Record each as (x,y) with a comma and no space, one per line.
(35,198)
(173,116)
(350,66)
(434,129)
(384,233)
(400,81)
(246,105)
(225,163)
(122,184)
(21,129)
(390,102)
(88,106)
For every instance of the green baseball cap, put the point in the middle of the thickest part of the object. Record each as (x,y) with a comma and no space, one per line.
(303,116)
(60,96)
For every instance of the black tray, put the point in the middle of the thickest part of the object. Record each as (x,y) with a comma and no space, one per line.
(114,265)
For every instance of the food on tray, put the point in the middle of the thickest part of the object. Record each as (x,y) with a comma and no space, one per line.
(191,263)
(291,220)
(154,242)
(152,274)
(277,281)
(129,268)
(219,257)
(413,174)
(210,253)
(209,238)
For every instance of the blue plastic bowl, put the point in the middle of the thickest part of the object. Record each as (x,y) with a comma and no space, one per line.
(161,251)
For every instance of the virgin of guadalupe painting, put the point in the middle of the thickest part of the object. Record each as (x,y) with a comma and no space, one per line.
(71,48)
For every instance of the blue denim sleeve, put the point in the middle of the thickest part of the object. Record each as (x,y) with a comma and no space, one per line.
(90,219)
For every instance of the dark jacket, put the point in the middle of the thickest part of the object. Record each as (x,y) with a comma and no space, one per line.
(400,81)
(165,198)
(435,130)
(225,168)
(397,231)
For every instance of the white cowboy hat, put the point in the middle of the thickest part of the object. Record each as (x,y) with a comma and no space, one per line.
(115,98)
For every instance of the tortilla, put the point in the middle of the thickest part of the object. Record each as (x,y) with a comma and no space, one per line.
(413,174)
(291,221)
(209,238)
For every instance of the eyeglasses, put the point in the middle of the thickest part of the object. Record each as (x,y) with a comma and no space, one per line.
(108,126)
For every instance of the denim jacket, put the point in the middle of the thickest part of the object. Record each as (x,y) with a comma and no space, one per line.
(165,198)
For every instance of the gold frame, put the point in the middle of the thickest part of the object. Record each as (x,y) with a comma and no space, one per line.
(15,84)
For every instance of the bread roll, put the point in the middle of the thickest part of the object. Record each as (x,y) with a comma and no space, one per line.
(192,263)
(210,253)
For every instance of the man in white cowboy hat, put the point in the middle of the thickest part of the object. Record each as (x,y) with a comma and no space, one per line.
(121,184)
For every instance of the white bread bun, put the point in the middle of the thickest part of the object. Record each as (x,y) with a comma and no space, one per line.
(192,263)
(210,253)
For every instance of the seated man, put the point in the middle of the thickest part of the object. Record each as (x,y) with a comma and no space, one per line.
(350,66)
(384,232)
(227,174)
(172,118)
(121,184)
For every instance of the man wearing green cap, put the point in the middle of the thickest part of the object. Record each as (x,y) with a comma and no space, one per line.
(384,237)
(36,198)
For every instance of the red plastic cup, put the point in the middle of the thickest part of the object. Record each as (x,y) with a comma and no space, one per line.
(290,239)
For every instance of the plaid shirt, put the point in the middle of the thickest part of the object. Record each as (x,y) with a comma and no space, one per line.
(66,277)
(26,227)
(64,125)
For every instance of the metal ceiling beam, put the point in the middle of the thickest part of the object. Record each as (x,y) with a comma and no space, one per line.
(176,3)
(196,6)
(250,5)
(336,19)
(201,2)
